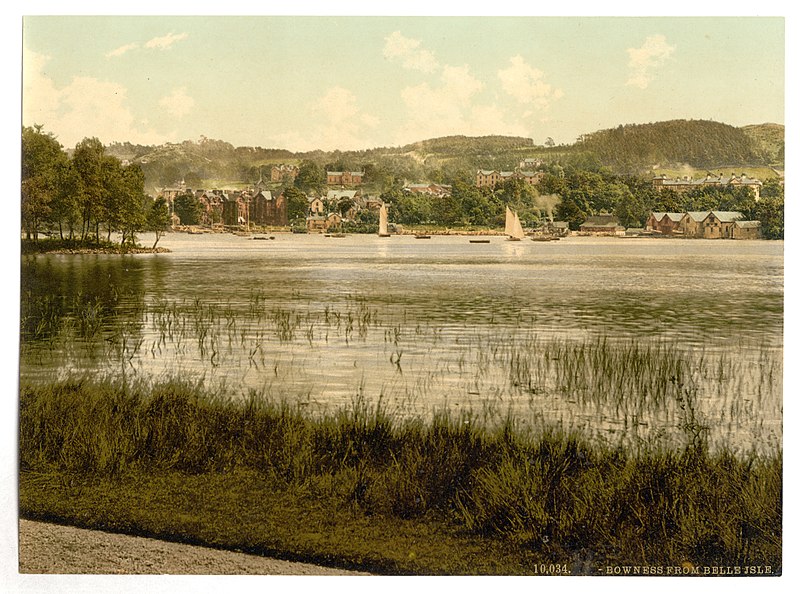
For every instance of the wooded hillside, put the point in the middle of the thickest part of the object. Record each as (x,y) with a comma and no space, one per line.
(698,143)
(626,149)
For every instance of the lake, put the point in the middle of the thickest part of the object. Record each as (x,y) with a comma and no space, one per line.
(610,336)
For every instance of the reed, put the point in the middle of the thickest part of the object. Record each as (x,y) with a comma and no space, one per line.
(548,489)
(628,389)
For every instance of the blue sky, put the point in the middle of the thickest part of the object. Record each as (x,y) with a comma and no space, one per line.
(359,82)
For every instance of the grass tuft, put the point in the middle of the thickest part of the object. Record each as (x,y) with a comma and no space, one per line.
(551,493)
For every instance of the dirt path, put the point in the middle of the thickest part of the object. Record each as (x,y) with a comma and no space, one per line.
(53,549)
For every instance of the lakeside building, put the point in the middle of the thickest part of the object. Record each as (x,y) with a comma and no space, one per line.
(258,208)
(665,223)
(708,224)
(234,210)
(747,230)
(268,210)
(602,224)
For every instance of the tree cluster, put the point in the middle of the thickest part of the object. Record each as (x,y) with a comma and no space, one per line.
(634,147)
(92,190)
(85,194)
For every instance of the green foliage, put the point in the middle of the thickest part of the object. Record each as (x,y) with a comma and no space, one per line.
(310,177)
(634,147)
(83,192)
(552,493)
(43,161)
(296,204)
(769,210)
(469,145)
(586,179)
(770,140)
(188,208)
(158,217)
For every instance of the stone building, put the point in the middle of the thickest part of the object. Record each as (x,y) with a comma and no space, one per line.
(666,223)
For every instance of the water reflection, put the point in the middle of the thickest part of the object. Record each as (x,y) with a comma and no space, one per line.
(428,324)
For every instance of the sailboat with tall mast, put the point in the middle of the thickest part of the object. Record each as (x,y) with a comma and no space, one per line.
(383,227)
(513,226)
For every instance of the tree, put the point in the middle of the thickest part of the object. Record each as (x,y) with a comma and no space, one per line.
(188,208)
(42,157)
(309,176)
(770,211)
(170,175)
(158,218)
(88,159)
(409,208)
(192,179)
(571,210)
(296,204)
(630,209)
(110,208)
(132,203)
(668,200)
(344,205)
(65,208)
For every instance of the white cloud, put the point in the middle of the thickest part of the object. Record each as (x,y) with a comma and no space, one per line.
(85,107)
(654,52)
(92,107)
(449,104)
(177,103)
(526,84)
(337,105)
(337,121)
(122,50)
(166,41)
(409,53)
(445,106)
(39,94)
(450,108)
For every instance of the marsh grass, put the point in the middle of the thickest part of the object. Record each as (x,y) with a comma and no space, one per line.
(619,389)
(548,490)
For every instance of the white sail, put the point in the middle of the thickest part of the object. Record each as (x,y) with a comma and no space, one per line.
(509,222)
(383,229)
(513,226)
(516,231)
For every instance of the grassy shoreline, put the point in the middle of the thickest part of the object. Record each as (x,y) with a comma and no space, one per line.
(75,246)
(357,488)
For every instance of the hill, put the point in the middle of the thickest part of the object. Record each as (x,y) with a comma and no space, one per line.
(770,138)
(634,148)
(470,145)
(630,149)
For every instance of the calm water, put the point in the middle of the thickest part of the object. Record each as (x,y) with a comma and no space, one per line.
(426,324)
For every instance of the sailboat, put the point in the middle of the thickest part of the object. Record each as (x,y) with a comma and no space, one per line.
(383,229)
(513,226)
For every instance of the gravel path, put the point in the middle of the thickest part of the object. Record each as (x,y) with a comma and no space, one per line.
(53,549)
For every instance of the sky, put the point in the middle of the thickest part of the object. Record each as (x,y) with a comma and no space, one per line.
(358,82)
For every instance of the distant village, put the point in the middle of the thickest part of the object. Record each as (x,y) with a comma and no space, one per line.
(260,207)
